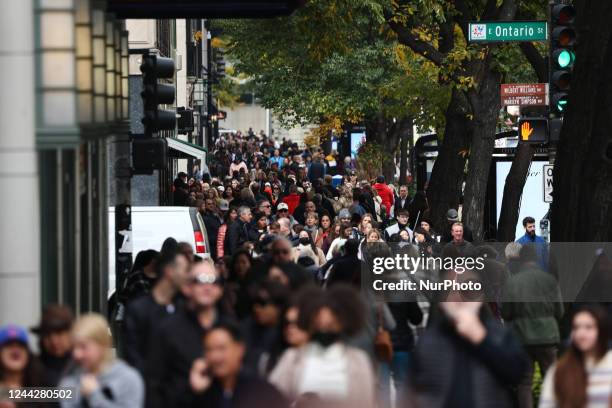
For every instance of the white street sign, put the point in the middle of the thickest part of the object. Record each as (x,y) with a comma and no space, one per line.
(548,183)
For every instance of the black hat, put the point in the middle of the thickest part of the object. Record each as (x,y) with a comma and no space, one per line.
(54,318)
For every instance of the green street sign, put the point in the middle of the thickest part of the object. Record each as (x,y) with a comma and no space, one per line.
(484,31)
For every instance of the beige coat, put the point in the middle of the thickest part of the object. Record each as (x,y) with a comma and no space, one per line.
(287,375)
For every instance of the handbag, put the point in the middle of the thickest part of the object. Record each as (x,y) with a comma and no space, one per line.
(383,346)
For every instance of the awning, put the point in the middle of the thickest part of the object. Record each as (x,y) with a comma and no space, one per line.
(184,150)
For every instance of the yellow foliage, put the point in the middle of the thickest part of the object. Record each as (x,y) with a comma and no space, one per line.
(217,42)
(311,140)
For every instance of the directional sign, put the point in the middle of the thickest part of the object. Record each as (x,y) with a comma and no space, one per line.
(548,183)
(495,31)
(524,94)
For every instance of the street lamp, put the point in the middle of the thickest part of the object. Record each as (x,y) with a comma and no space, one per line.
(57,50)
(84,62)
(125,90)
(110,70)
(99,65)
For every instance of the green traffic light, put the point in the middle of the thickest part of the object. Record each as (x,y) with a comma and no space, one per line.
(561,105)
(565,58)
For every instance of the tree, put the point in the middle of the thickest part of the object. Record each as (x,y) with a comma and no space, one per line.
(337,61)
(437,30)
(582,190)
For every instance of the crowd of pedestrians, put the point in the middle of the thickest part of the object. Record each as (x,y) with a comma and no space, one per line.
(276,317)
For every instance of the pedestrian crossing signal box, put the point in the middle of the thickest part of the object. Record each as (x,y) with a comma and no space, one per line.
(533,130)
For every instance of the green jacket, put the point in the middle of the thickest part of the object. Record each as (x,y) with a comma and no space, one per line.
(532,306)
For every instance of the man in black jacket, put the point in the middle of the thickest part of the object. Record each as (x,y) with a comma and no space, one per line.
(219,379)
(178,341)
(347,269)
(212,222)
(402,202)
(238,232)
(317,168)
(466,359)
(144,314)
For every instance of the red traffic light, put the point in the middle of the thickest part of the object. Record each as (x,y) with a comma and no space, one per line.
(563,14)
(157,67)
(564,36)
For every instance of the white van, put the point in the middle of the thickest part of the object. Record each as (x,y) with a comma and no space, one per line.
(150,228)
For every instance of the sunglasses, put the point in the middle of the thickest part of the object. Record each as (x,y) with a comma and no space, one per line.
(207,279)
(282,210)
(262,302)
(280,251)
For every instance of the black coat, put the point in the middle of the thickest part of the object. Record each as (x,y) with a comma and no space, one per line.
(397,206)
(250,392)
(237,235)
(316,171)
(142,318)
(449,371)
(347,269)
(404,312)
(212,224)
(173,349)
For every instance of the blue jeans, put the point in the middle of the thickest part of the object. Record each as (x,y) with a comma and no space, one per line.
(396,370)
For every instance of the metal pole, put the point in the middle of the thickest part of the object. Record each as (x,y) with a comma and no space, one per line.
(209,78)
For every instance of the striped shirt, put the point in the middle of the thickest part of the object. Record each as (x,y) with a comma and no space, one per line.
(599,387)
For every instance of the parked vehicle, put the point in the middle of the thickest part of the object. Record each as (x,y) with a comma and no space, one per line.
(150,228)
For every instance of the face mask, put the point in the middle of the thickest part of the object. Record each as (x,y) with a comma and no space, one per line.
(325,339)
(304,241)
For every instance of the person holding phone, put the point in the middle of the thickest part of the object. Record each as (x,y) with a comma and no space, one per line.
(219,380)
(465,359)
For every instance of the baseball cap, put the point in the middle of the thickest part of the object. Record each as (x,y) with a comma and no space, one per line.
(223,205)
(452,215)
(221,188)
(282,206)
(13,332)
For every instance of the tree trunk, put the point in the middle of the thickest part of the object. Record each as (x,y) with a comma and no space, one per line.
(582,187)
(513,190)
(485,105)
(405,137)
(444,186)
(386,133)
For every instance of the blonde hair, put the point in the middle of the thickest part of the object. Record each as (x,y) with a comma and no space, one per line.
(94,327)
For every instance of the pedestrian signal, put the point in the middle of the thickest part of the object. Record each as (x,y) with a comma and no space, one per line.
(533,130)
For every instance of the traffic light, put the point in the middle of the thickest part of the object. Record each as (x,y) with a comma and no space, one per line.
(149,154)
(185,123)
(220,62)
(153,94)
(562,56)
(533,130)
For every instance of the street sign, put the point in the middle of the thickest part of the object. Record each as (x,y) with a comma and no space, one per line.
(495,31)
(524,94)
(533,130)
(548,183)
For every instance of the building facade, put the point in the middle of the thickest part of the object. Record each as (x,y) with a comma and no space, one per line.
(65,66)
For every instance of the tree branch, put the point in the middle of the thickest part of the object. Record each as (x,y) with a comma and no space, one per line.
(406,37)
(535,59)
(490,10)
(507,10)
